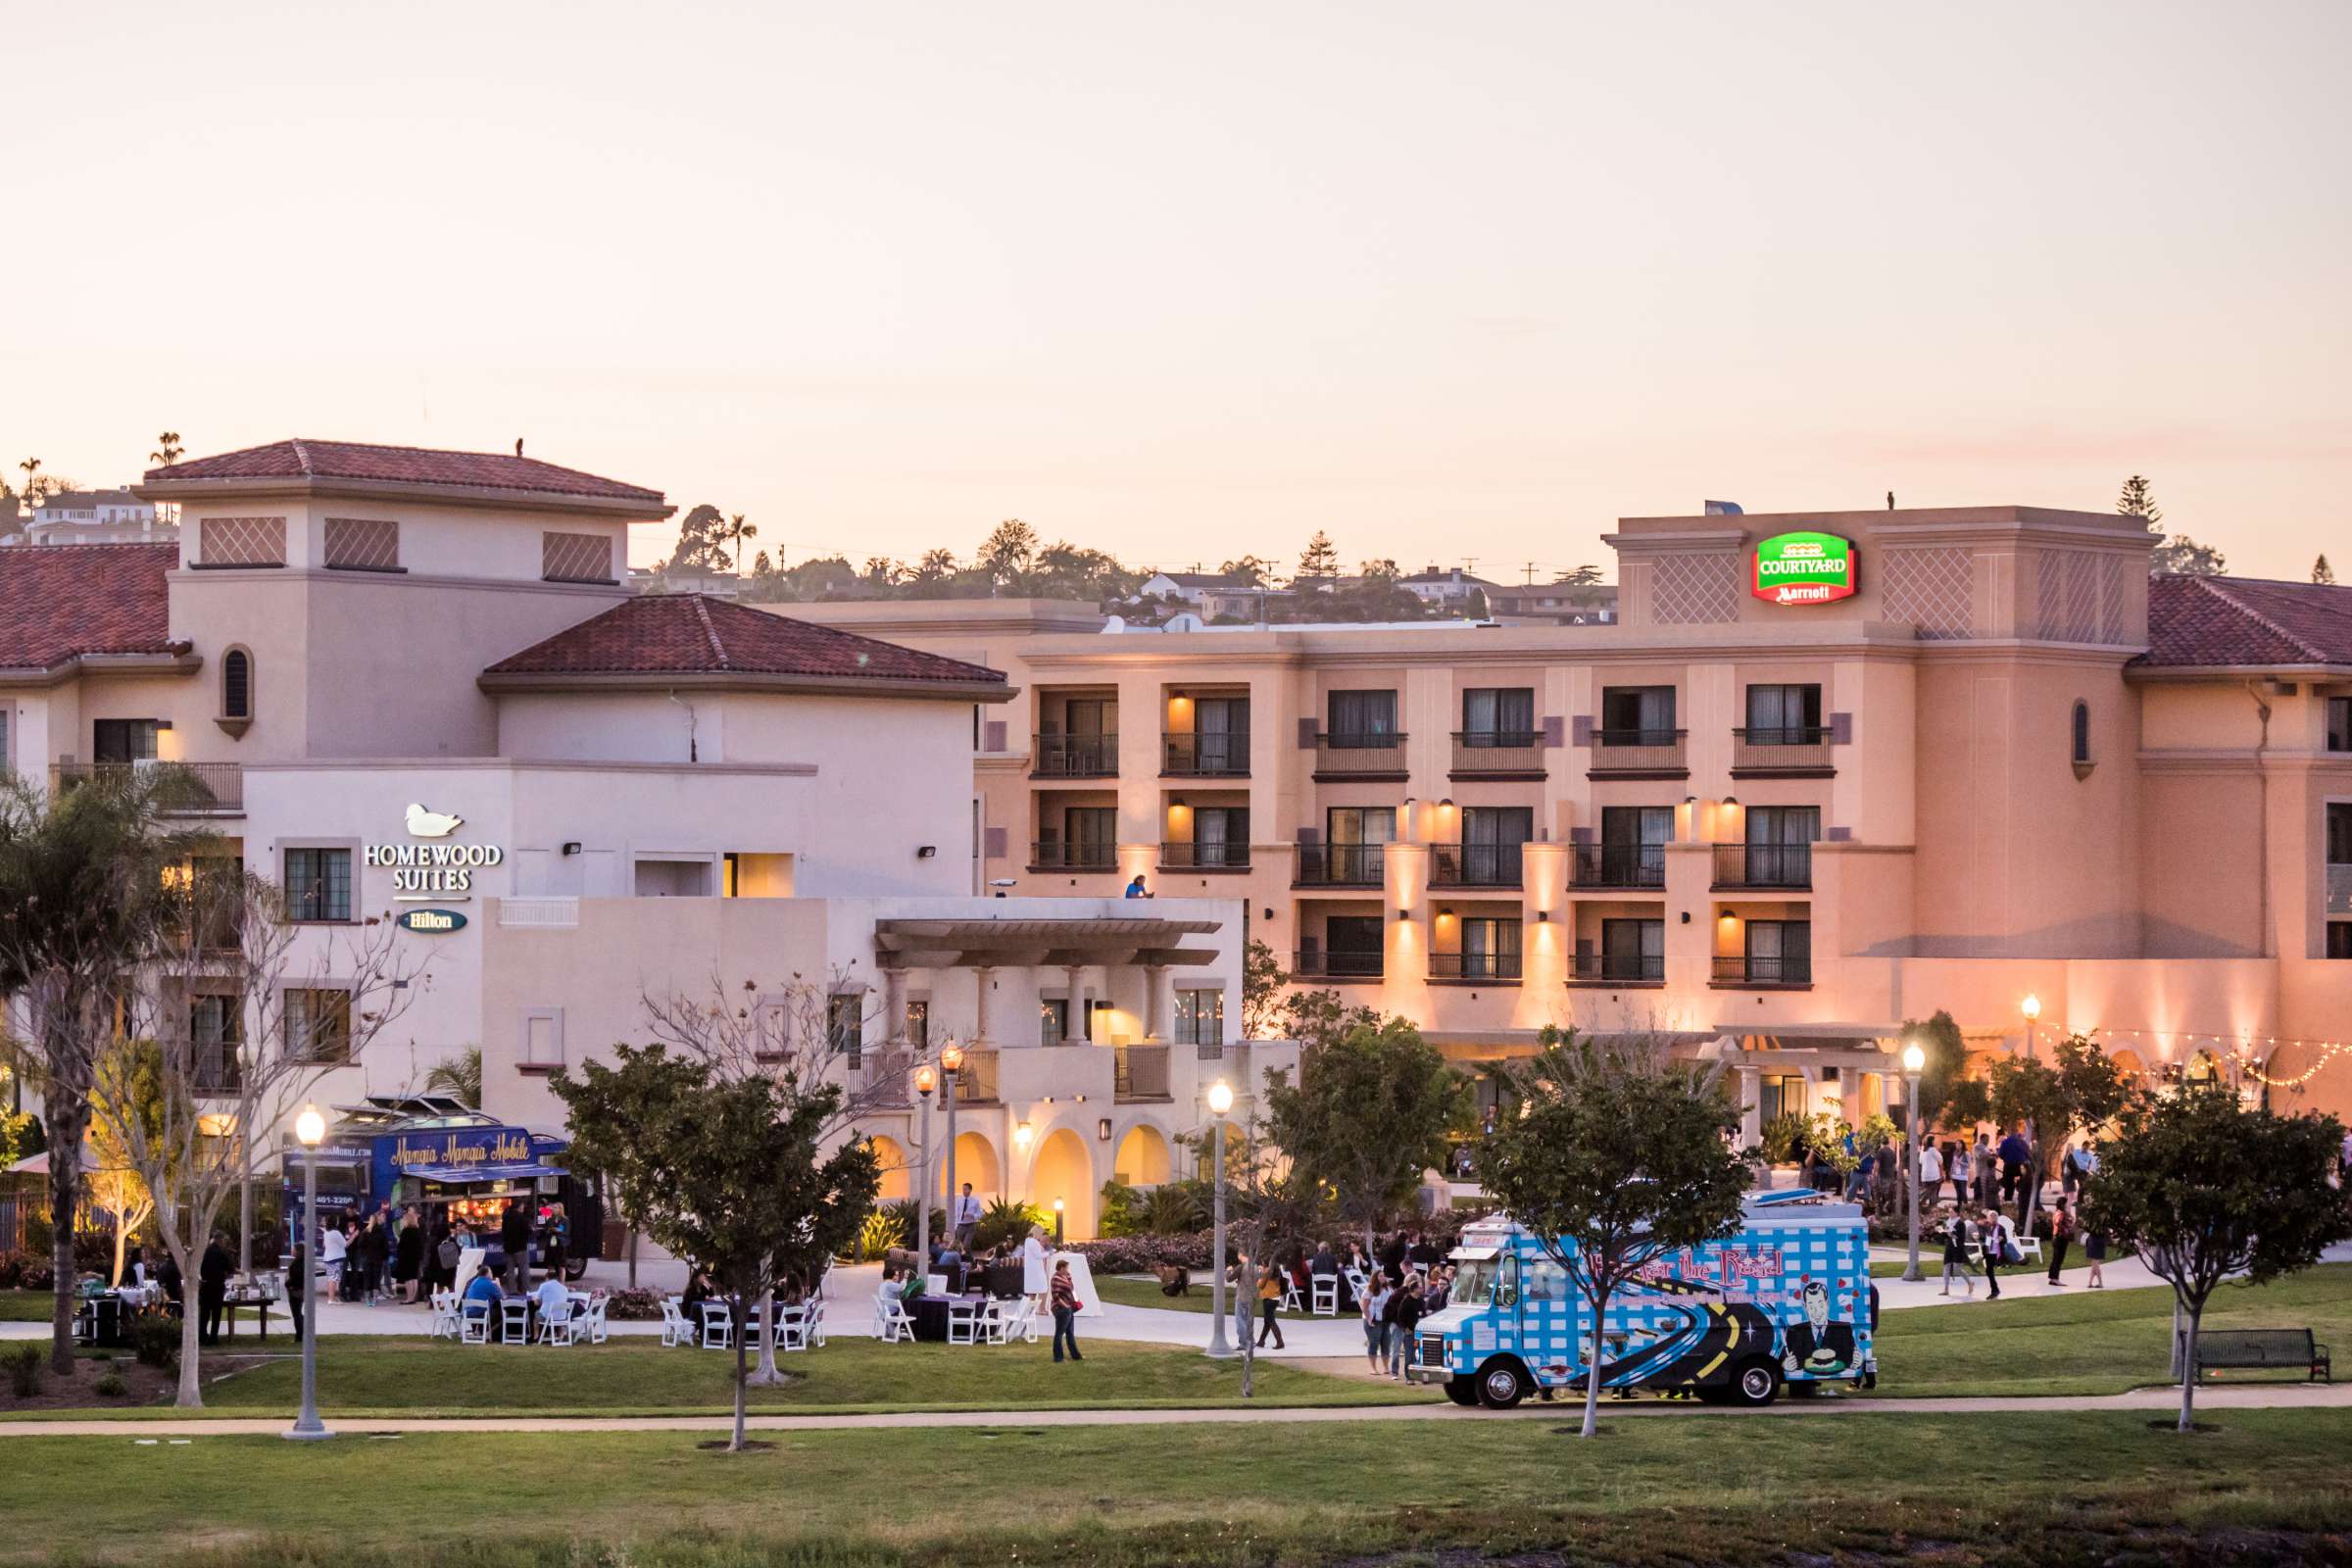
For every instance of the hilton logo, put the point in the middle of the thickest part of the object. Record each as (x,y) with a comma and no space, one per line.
(433,922)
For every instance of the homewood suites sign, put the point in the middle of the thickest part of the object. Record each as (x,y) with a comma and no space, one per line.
(1804,569)
(432,872)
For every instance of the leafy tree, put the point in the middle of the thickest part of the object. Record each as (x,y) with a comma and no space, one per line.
(1262,980)
(19,1135)
(2320,571)
(936,566)
(700,534)
(460,1077)
(1316,1018)
(2139,500)
(1383,570)
(1616,1156)
(731,1170)
(115,1185)
(2029,1095)
(2180,556)
(1320,558)
(2204,1189)
(1254,569)
(1008,551)
(1368,1115)
(1941,1074)
(1578,577)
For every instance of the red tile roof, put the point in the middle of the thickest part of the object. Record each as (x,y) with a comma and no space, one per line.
(695,634)
(2247,622)
(304,459)
(58,601)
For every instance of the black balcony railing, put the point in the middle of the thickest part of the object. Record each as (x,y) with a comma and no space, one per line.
(215,1070)
(1074,756)
(1788,749)
(1058,855)
(1763,866)
(1763,969)
(1619,968)
(1497,754)
(1341,865)
(1204,756)
(1342,965)
(1359,756)
(1619,866)
(1474,966)
(183,789)
(1196,856)
(1637,753)
(1474,866)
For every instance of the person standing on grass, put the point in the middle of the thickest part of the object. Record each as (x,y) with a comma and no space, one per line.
(967,1220)
(1985,1164)
(1037,1279)
(1065,1310)
(1404,1308)
(2062,1231)
(2094,1252)
(1375,1306)
(211,1288)
(1989,1236)
(1955,1252)
(1960,1165)
(2016,1155)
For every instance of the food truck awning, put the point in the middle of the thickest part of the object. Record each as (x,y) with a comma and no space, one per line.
(513,1171)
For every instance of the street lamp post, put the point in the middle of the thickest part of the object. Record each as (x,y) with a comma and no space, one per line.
(1220,1103)
(247,1058)
(2031,1008)
(308,1129)
(1914,1060)
(951,1063)
(926,1082)
(1058,1216)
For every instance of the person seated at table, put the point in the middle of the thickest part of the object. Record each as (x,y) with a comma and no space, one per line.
(483,1289)
(168,1276)
(948,1260)
(551,1301)
(913,1289)
(698,1291)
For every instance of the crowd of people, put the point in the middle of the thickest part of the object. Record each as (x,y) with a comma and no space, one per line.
(1408,1280)
(399,1256)
(1966,1188)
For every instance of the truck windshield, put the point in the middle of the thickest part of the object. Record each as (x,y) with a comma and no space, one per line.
(1474,1286)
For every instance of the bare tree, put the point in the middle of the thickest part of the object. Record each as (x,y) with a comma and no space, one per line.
(237,1013)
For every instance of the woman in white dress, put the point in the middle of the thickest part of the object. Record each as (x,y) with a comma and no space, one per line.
(1037,1278)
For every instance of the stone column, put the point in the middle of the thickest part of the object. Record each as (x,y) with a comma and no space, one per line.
(894,1004)
(987,981)
(1079,1021)
(1154,977)
(1752,1107)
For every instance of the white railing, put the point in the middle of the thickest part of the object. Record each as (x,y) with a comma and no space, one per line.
(539,915)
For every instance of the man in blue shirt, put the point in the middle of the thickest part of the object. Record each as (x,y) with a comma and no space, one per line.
(483,1290)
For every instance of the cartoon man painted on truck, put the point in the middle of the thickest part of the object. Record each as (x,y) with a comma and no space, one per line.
(1734,1321)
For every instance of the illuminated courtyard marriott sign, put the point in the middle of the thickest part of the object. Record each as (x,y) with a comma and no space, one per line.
(1804,569)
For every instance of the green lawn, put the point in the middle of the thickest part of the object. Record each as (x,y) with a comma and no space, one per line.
(1667,1489)
(2088,1342)
(361,1374)
(1146,1293)
(25,1307)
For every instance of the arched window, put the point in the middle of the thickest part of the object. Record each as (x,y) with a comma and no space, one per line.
(236,691)
(2078,739)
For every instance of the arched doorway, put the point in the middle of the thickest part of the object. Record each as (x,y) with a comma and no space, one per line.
(1143,1159)
(976,1163)
(1064,1169)
(898,1169)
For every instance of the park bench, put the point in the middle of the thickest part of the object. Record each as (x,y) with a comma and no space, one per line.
(2293,1350)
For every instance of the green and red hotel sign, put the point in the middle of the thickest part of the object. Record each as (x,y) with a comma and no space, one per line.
(1804,569)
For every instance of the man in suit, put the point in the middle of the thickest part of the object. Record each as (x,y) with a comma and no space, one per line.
(211,1288)
(1814,1344)
(968,1218)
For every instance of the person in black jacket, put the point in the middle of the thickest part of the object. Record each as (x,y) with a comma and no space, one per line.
(1406,1304)
(212,1289)
(514,1240)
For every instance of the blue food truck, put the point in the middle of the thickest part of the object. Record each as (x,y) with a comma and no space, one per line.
(437,1153)
(1784,1302)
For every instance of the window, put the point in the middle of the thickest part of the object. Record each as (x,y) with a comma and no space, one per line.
(236,684)
(1489,949)
(1632,950)
(1632,845)
(1491,839)
(1361,719)
(1780,845)
(1780,952)
(771,1027)
(1200,1017)
(1356,834)
(1354,941)
(576,558)
(4,765)
(2340,832)
(124,740)
(1636,716)
(1779,1094)
(362,544)
(1498,715)
(1091,834)
(543,1038)
(319,1025)
(1053,1020)
(2339,939)
(241,542)
(1221,836)
(318,884)
(1784,716)
(215,1029)
(1221,734)
(2079,735)
(2339,726)
(845,1026)
(918,1025)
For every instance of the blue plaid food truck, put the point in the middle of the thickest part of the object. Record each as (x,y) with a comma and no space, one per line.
(1784,1302)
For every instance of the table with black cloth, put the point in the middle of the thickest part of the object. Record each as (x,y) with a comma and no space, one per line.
(930,1314)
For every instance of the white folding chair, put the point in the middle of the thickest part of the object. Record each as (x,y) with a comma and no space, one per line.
(792,1328)
(554,1328)
(1358,1279)
(515,1319)
(1326,1287)
(815,1332)
(718,1327)
(599,1330)
(964,1322)
(475,1325)
(675,1330)
(1290,1294)
(443,1323)
(891,1322)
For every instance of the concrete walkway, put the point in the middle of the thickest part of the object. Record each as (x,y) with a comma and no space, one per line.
(2249,1396)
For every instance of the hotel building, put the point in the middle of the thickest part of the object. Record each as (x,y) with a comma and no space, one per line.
(1975,756)
(384,667)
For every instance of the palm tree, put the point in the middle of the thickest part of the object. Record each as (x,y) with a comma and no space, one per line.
(167,449)
(460,1077)
(738,530)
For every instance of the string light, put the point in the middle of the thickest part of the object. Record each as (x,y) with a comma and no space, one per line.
(2240,1050)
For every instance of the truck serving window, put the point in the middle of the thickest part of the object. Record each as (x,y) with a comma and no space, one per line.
(1474,1286)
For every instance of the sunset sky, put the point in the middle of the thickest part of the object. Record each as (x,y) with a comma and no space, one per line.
(1182,281)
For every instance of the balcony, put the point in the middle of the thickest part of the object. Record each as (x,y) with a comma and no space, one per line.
(1056,855)
(1763,866)
(1204,756)
(1191,856)
(976,1083)
(1497,754)
(1800,753)
(216,1072)
(1474,966)
(1341,757)
(1343,965)
(879,1080)
(1618,865)
(1142,1073)
(1638,754)
(1340,866)
(1474,866)
(183,789)
(1074,756)
(1763,972)
(1618,969)
(2339,888)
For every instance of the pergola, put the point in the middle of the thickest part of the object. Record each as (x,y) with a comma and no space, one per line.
(1144,942)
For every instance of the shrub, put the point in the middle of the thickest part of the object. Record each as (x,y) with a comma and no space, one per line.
(1782,1135)
(23,1364)
(155,1338)
(1008,1221)
(93,1254)
(39,1275)
(12,1270)
(112,1386)
(1139,1254)
(1119,1213)
(641,1304)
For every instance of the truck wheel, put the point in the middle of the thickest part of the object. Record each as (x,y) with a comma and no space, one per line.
(1502,1385)
(1463,1390)
(1756,1383)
